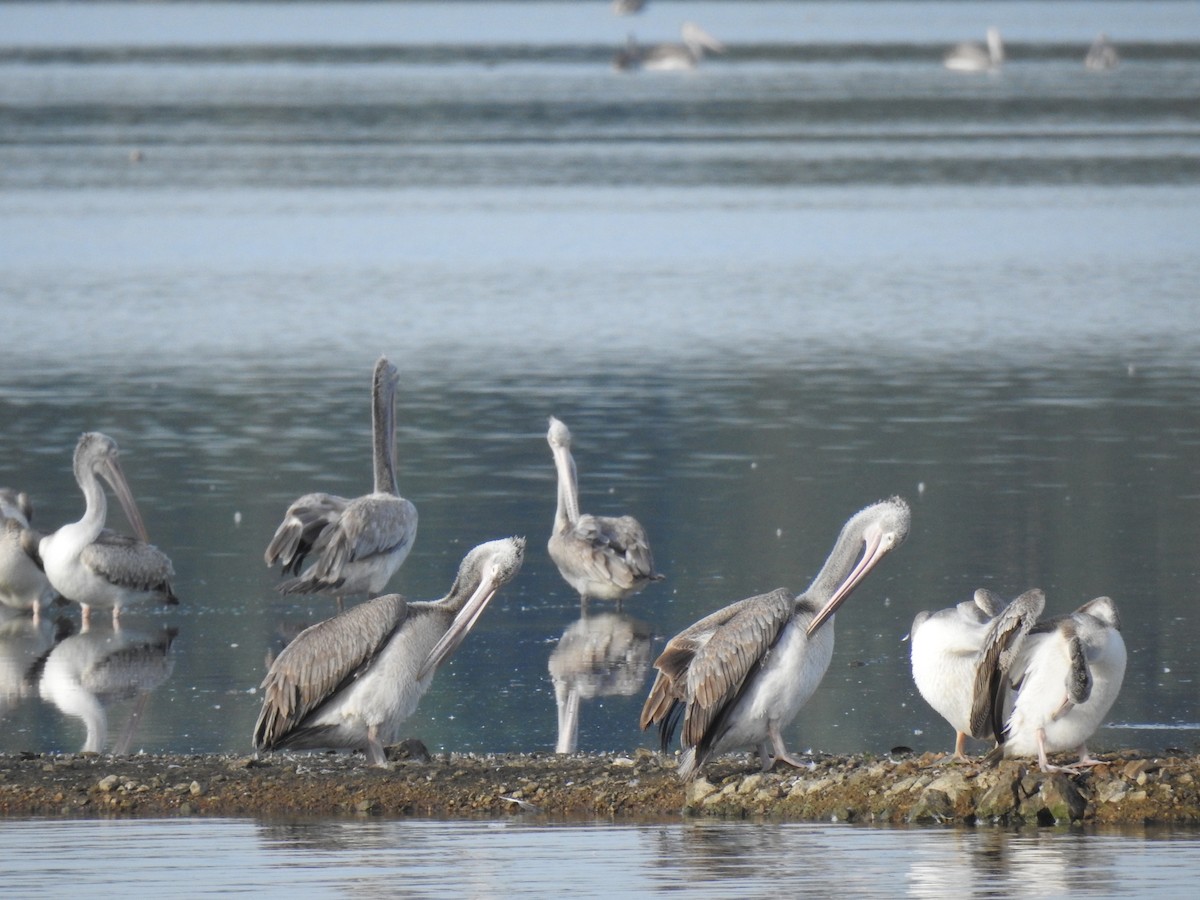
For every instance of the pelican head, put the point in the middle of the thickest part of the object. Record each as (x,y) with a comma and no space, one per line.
(880,529)
(96,454)
(698,40)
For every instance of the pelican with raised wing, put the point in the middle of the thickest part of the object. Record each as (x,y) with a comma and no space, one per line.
(950,646)
(359,544)
(971,56)
(741,675)
(23,584)
(602,557)
(350,682)
(92,565)
(1061,685)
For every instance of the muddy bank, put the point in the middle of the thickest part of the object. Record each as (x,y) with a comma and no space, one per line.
(1127,789)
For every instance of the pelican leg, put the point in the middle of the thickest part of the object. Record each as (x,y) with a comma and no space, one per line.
(375,754)
(781,753)
(1085,761)
(764,756)
(85,617)
(960,747)
(1043,760)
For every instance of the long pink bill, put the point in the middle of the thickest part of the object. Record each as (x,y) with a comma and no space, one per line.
(872,554)
(463,623)
(112,473)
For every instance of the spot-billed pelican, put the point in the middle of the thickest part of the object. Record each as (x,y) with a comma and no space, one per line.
(350,682)
(972,56)
(23,584)
(1102,56)
(603,558)
(679,57)
(359,544)
(740,676)
(93,566)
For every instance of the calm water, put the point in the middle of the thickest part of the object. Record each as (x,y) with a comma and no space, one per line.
(816,271)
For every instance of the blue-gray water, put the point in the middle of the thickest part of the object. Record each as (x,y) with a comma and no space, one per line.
(818,270)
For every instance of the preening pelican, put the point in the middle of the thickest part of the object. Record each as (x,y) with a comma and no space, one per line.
(23,584)
(1102,56)
(669,57)
(972,56)
(739,676)
(360,543)
(92,565)
(603,558)
(349,682)
(949,647)
(1062,683)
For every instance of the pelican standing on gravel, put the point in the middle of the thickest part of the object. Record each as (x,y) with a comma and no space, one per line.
(350,682)
(92,565)
(950,646)
(1061,685)
(360,543)
(23,584)
(603,558)
(740,676)
(971,56)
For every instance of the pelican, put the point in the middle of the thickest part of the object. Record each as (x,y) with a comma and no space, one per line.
(1102,55)
(1061,685)
(670,57)
(23,584)
(359,543)
(601,557)
(627,7)
(950,645)
(972,56)
(92,565)
(350,682)
(739,676)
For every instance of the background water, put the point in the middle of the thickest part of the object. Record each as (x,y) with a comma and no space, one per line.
(817,271)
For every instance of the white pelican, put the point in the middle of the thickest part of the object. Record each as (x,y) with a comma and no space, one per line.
(740,676)
(92,565)
(603,558)
(950,645)
(1101,56)
(360,543)
(23,584)
(1061,685)
(669,57)
(350,682)
(971,56)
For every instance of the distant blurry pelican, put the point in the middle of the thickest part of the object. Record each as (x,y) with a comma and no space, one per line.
(1101,56)
(669,57)
(950,646)
(359,543)
(974,57)
(92,565)
(350,682)
(603,558)
(627,7)
(1062,683)
(23,584)
(741,675)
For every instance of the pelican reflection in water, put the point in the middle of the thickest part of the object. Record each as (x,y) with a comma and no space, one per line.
(971,56)
(360,543)
(604,655)
(93,566)
(350,682)
(680,57)
(741,675)
(23,584)
(952,647)
(24,643)
(602,557)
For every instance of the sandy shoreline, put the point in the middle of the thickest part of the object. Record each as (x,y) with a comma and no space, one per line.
(1128,789)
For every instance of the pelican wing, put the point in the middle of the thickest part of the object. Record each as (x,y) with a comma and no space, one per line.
(130,563)
(370,525)
(302,524)
(1000,647)
(619,549)
(322,660)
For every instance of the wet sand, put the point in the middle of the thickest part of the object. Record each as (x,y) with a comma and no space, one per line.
(1127,789)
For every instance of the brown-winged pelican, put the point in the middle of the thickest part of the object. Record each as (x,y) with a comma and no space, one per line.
(950,645)
(1102,56)
(603,558)
(971,56)
(23,584)
(92,565)
(349,682)
(1061,684)
(360,543)
(669,57)
(739,676)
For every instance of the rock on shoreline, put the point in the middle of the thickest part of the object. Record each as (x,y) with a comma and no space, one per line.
(1127,789)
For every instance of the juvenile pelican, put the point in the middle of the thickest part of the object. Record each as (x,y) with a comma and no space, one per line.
(669,57)
(1063,682)
(359,543)
(93,566)
(739,676)
(349,682)
(972,56)
(601,557)
(949,647)
(23,584)
(1102,56)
